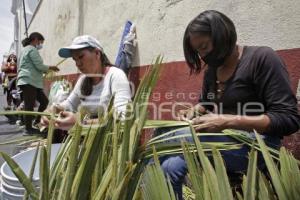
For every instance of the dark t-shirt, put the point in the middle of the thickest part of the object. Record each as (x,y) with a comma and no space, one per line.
(259,85)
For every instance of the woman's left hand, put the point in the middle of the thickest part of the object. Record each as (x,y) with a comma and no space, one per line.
(66,120)
(211,122)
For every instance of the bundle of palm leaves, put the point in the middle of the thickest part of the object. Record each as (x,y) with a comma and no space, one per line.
(107,161)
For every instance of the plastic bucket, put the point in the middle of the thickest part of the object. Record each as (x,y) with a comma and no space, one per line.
(12,188)
(10,196)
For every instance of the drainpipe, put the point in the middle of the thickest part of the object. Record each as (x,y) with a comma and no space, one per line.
(80,17)
(25,19)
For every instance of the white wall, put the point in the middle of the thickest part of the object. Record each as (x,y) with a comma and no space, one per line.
(161,23)
(58,21)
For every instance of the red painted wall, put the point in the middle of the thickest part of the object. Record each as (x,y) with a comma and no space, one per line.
(292,59)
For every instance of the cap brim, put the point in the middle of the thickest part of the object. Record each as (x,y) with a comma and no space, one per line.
(65,52)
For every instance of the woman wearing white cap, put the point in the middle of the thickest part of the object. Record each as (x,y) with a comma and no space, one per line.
(94,89)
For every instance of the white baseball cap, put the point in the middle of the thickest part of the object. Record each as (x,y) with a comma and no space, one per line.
(80,42)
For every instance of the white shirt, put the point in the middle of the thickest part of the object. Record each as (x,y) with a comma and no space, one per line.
(114,82)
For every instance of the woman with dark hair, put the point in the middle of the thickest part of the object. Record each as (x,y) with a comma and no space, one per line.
(244,88)
(30,78)
(10,69)
(99,81)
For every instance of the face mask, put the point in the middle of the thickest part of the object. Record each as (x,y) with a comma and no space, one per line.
(212,61)
(39,46)
(13,61)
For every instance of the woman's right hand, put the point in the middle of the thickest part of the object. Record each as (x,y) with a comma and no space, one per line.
(189,114)
(185,115)
(66,120)
(54,68)
(54,108)
(44,121)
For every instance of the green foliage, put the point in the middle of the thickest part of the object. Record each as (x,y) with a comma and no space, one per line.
(154,184)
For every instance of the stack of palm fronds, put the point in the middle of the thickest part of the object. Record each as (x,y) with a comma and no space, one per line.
(107,161)
(210,180)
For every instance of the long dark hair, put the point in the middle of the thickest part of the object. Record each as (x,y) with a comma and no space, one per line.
(219,27)
(32,36)
(87,84)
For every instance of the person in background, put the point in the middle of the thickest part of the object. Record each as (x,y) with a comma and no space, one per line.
(10,70)
(252,78)
(4,80)
(4,60)
(30,78)
(98,82)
